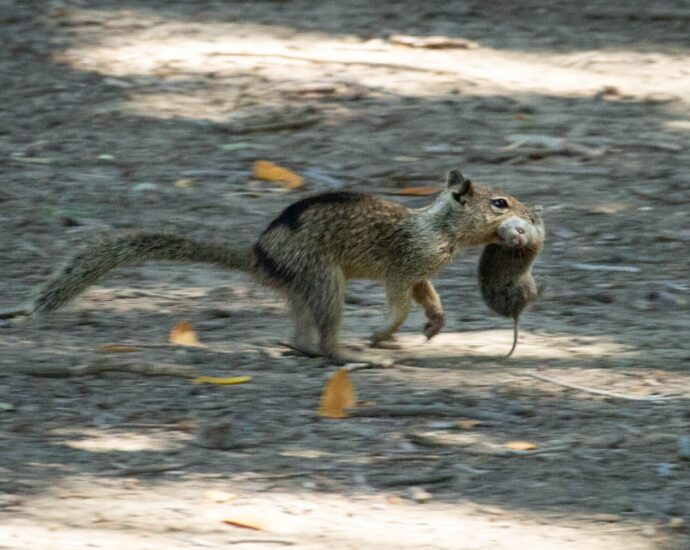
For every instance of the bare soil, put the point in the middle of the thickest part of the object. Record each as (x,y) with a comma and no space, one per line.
(150,114)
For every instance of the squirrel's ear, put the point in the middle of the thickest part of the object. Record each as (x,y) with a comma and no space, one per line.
(454,177)
(460,186)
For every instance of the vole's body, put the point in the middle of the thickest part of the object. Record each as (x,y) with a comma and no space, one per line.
(315,245)
(505,269)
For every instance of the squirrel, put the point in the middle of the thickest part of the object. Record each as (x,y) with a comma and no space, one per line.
(505,269)
(317,244)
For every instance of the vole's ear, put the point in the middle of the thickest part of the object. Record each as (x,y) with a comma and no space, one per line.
(460,187)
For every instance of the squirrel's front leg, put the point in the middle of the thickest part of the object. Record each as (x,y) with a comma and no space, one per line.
(398,296)
(426,296)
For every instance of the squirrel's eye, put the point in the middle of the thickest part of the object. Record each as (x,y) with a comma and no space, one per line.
(499,203)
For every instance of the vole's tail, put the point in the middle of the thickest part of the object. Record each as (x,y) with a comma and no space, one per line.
(97,259)
(516,320)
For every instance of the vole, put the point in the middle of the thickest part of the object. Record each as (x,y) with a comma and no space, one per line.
(505,268)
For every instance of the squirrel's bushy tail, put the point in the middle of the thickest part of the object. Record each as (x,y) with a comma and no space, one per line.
(86,267)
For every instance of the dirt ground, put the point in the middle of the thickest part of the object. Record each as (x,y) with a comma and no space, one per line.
(150,114)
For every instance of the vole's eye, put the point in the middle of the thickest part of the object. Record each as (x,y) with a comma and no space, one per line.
(499,203)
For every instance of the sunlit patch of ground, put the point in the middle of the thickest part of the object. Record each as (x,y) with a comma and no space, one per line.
(283,56)
(183,515)
(496,343)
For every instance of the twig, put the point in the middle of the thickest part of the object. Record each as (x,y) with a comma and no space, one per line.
(594,391)
(102,365)
(409,481)
(401,411)
(150,469)
(602,267)
(267,477)
(10,312)
(295,124)
(282,542)
(325,60)
(660,198)
(404,410)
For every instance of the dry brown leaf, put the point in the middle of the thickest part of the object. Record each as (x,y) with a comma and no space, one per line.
(468,423)
(338,395)
(268,171)
(117,348)
(246,521)
(419,191)
(183,334)
(222,381)
(521,446)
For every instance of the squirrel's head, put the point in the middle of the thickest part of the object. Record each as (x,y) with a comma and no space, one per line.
(476,213)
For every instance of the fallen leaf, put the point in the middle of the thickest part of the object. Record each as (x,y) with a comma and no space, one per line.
(268,171)
(338,395)
(117,348)
(520,446)
(183,334)
(246,521)
(417,191)
(467,424)
(222,381)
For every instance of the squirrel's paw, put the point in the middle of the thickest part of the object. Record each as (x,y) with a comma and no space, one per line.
(384,340)
(433,325)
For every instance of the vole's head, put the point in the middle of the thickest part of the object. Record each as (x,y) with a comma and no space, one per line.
(477,212)
(517,232)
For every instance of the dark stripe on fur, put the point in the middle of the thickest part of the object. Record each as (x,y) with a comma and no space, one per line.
(270,267)
(291,215)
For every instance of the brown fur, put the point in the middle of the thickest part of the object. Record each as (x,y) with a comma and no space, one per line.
(316,245)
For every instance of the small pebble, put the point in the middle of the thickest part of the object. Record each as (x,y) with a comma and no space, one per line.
(418,494)
(676,523)
(564,233)
(218,435)
(684,447)
(666,298)
(665,469)
(144,186)
(648,531)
